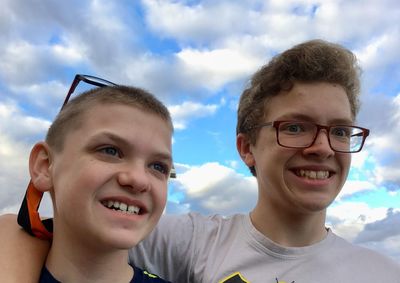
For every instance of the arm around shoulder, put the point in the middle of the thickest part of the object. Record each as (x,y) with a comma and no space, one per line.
(21,255)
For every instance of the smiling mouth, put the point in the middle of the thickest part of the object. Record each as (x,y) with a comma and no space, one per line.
(121,207)
(314,175)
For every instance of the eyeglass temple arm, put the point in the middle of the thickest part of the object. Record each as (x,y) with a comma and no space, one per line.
(85,78)
(71,89)
(172,174)
(361,134)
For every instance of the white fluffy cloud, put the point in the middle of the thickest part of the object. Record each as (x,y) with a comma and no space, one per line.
(16,132)
(218,66)
(214,188)
(382,115)
(183,113)
(207,21)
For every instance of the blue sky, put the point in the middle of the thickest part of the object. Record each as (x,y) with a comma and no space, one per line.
(197,57)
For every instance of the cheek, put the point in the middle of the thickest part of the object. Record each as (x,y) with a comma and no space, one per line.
(270,166)
(77,181)
(159,197)
(345,161)
(75,184)
(163,197)
(346,165)
(276,157)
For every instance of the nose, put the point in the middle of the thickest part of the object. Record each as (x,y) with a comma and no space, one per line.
(320,146)
(135,178)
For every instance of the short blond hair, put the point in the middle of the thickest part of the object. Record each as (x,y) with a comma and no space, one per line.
(71,115)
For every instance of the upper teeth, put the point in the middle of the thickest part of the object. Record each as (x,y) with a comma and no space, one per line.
(131,209)
(314,174)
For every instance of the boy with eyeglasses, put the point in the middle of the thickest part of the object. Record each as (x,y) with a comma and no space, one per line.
(296,133)
(106,162)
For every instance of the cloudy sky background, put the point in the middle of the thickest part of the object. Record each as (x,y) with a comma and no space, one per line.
(197,56)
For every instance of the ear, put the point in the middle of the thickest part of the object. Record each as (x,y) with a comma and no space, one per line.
(245,150)
(39,166)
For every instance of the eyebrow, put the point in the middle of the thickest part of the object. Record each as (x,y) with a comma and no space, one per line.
(307,118)
(119,140)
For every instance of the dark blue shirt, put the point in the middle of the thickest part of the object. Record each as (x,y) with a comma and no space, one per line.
(140,276)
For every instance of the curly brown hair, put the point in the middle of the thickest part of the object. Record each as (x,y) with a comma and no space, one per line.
(312,61)
(72,115)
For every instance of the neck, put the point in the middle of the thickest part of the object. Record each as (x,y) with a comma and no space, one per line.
(289,229)
(71,260)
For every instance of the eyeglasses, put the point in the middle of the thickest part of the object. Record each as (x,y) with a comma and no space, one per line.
(99,82)
(296,134)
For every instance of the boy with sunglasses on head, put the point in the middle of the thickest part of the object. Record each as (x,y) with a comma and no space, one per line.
(296,133)
(106,162)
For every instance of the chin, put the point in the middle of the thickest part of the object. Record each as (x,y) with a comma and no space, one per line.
(124,243)
(316,205)
(123,240)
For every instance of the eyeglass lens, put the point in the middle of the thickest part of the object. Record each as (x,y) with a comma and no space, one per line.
(303,134)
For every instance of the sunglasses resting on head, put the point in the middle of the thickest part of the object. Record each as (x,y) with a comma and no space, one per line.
(28,215)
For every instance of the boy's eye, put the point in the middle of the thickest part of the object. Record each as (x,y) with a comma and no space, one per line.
(109,150)
(291,128)
(162,168)
(341,132)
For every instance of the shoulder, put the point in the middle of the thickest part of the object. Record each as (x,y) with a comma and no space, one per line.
(357,256)
(193,232)
(142,276)
(197,222)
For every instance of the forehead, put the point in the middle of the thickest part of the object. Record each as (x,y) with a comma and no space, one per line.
(319,102)
(102,110)
(128,122)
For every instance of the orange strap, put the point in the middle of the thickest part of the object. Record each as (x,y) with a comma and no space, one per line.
(29,218)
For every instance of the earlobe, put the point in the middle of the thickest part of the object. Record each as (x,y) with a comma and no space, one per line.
(244,148)
(39,166)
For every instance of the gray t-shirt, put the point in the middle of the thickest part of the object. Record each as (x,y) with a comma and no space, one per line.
(216,249)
